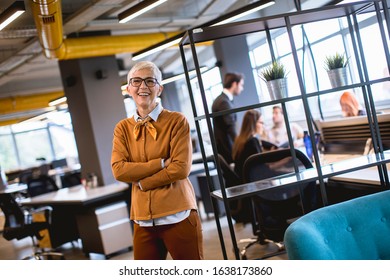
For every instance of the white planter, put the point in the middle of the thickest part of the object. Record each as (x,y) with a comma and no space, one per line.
(277,88)
(338,77)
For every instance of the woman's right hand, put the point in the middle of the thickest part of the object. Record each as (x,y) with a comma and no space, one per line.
(167,162)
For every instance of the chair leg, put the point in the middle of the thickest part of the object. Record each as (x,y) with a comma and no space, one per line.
(41,254)
(280,247)
(251,242)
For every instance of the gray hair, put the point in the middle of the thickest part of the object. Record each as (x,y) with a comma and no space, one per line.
(145,65)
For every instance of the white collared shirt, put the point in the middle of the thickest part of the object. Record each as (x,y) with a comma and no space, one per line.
(170,219)
(228,93)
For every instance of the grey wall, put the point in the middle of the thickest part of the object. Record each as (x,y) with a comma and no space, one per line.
(232,53)
(96,105)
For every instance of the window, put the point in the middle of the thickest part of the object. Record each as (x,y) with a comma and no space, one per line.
(21,144)
(8,155)
(314,43)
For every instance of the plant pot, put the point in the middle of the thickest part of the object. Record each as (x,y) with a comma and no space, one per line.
(277,88)
(338,77)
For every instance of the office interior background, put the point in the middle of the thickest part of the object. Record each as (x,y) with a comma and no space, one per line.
(31,130)
(27,77)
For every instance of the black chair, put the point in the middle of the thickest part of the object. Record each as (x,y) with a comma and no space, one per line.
(40,185)
(25,175)
(277,208)
(240,209)
(19,224)
(71,179)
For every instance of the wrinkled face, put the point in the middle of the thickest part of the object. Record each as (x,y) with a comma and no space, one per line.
(145,94)
(260,126)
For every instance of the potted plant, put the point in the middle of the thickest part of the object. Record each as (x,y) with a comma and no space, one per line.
(275,76)
(336,66)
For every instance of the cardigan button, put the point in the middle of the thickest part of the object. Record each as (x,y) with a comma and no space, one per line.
(349,229)
(383,219)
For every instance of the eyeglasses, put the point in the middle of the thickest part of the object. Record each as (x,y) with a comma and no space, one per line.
(149,82)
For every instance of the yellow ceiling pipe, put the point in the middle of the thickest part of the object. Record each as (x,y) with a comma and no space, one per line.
(15,104)
(109,45)
(48,20)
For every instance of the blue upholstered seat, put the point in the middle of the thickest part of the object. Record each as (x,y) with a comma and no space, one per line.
(358,229)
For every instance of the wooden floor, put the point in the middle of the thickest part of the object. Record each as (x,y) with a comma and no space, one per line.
(13,250)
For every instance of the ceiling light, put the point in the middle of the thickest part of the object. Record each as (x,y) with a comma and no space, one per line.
(11,13)
(40,117)
(244,11)
(181,76)
(347,2)
(58,101)
(158,47)
(138,9)
(247,10)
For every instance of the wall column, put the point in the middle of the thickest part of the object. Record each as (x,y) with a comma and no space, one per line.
(92,87)
(232,54)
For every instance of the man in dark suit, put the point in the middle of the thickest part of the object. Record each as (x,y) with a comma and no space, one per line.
(225,126)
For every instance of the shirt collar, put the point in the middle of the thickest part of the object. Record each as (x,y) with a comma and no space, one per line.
(153,115)
(228,93)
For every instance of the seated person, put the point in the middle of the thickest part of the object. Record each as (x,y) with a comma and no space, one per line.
(247,142)
(350,105)
(278,133)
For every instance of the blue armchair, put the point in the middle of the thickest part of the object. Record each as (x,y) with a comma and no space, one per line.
(358,229)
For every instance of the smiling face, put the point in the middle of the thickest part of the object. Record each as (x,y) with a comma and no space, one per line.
(144,96)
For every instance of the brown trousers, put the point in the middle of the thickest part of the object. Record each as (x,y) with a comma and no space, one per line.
(183,240)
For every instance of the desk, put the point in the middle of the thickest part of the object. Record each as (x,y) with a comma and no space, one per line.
(14,188)
(79,213)
(369,176)
(77,195)
(354,184)
(291,180)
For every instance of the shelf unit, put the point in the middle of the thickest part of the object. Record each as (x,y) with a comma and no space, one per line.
(203,118)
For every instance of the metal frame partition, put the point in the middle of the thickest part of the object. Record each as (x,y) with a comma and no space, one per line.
(319,173)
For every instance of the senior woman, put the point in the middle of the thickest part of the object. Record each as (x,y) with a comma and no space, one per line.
(152,151)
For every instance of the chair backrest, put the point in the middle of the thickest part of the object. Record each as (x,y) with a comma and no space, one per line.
(14,216)
(278,205)
(355,229)
(41,185)
(231,177)
(240,209)
(71,179)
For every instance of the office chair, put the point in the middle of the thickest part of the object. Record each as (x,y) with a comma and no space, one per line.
(25,175)
(71,179)
(275,209)
(240,209)
(40,185)
(19,224)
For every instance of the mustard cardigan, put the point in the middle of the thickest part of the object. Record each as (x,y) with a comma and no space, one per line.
(165,191)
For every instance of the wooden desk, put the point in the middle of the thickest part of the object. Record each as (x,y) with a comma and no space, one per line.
(87,214)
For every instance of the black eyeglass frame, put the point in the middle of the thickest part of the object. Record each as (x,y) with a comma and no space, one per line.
(155,81)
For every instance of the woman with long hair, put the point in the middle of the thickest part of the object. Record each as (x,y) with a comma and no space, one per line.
(248,141)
